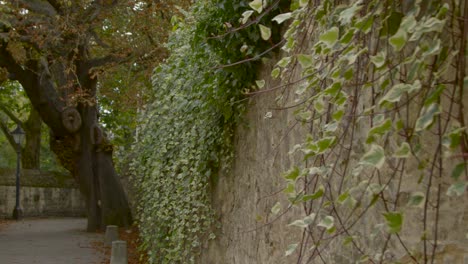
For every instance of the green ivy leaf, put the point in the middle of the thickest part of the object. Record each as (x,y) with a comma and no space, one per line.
(380,129)
(291,249)
(257,5)
(265,32)
(319,193)
(282,17)
(328,222)
(324,144)
(394,221)
(416,199)
(379,59)
(330,37)
(260,83)
(293,174)
(457,189)
(246,15)
(398,40)
(338,115)
(458,170)
(374,157)
(291,188)
(435,95)
(276,208)
(395,93)
(403,151)
(305,60)
(427,118)
(275,73)
(348,14)
(284,62)
(299,223)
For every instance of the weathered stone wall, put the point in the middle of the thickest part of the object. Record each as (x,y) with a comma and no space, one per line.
(243,197)
(42,194)
(38,201)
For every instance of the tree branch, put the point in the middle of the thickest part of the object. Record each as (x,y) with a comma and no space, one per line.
(4,109)
(8,136)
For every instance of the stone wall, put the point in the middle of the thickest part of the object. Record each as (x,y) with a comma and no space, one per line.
(243,197)
(42,194)
(39,201)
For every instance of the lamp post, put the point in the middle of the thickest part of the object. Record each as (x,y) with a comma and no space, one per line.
(18,136)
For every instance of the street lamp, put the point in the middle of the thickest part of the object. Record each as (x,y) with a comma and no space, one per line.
(18,136)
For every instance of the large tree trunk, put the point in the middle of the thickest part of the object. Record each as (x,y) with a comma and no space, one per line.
(76,139)
(31,154)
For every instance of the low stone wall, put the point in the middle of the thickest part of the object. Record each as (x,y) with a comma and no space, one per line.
(39,201)
(42,194)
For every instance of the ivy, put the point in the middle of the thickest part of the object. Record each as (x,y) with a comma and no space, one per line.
(380,86)
(188,126)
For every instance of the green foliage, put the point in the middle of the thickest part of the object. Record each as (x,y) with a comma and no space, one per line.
(188,126)
(381,88)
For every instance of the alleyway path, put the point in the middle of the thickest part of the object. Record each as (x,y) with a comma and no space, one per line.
(48,241)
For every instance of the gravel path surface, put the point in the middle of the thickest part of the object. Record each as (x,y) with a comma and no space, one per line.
(49,241)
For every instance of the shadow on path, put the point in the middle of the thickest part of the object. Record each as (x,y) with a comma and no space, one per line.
(48,241)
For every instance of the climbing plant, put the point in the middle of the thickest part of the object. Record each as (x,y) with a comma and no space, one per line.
(380,87)
(188,126)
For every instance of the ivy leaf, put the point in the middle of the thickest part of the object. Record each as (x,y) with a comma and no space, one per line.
(325,143)
(291,249)
(282,17)
(403,151)
(381,129)
(299,223)
(435,95)
(328,222)
(246,15)
(416,199)
(457,189)
(284,62)
(398,40)
(379,59)
(395,93)
(394,221)
(319,193)
(374,157)
(427,118)
(347,14)
(305,60)
(265,32)
(276,208)
(257,5)
(260,83)
(330,37)
(458,170)
(275,73)
(293,174)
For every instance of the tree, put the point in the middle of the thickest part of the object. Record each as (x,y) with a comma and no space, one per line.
(57,50)
(11,108)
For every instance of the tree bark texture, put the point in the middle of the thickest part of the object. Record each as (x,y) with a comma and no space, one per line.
(31,153)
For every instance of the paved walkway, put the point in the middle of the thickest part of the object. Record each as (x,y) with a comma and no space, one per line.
(48,241)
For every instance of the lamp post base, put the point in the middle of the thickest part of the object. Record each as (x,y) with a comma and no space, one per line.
(17,213)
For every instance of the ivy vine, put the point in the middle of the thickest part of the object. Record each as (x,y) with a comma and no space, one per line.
(381,89)
(188,128)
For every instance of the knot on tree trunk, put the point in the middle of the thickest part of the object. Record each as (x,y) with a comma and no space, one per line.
(71,120)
